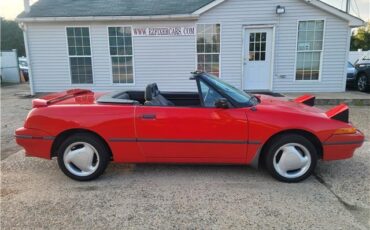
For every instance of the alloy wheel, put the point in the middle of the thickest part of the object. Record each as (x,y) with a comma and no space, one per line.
(81,159)
(361,83)
(292,160)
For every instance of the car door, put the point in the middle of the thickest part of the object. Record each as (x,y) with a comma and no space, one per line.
(192,134)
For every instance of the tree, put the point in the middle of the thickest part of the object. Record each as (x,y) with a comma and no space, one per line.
(11,36)
(361,39)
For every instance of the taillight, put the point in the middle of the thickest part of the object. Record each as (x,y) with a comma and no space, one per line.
(37,103)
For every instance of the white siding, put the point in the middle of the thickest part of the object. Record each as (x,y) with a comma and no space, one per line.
(234,14)
(165,60)
(169,60)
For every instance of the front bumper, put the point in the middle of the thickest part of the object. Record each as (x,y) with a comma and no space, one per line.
(36,143)
(342,146)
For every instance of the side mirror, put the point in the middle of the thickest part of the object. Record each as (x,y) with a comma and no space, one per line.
(222,103)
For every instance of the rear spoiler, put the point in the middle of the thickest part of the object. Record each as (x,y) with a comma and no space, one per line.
(306,99)
(56,97)
(339,113)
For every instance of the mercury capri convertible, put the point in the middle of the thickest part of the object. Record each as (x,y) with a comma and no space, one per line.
(219,124)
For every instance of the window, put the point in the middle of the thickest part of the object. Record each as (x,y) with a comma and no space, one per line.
(257,46)
(120,48)
(209,95)
(79,55)
(309,49)
(208,48)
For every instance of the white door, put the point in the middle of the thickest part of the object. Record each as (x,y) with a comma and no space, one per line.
(257,58)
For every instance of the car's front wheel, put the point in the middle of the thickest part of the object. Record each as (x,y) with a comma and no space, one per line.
(83,157)
(291,158)
(362,83)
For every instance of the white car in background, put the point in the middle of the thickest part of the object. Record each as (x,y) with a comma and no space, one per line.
(23,67)
(364,60)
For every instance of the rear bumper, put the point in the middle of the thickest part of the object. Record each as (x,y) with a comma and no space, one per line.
(36,143)
(342,146)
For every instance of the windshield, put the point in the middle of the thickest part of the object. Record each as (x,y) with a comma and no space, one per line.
(349,65)
(238,95)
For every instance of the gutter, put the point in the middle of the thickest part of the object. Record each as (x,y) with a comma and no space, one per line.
(110,18)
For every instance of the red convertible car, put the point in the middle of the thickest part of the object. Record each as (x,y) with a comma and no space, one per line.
(218,124)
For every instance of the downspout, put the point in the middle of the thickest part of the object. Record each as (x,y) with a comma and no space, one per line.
(276,72)
(30,77)
(348,47)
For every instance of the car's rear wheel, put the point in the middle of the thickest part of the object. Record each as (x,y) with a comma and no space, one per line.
(291,158)
(83,157)
(362,83)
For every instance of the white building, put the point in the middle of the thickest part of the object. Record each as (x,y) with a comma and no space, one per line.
(273,45)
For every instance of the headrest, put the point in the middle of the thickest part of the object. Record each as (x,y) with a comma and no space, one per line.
(151,91)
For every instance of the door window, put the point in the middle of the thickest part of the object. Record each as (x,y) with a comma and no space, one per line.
(257,46)
(209,95)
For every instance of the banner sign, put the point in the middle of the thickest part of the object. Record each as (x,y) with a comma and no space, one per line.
(164,31)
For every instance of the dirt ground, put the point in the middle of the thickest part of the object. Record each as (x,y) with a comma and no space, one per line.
(35,194)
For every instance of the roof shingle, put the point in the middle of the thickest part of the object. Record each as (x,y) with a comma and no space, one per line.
(81,8)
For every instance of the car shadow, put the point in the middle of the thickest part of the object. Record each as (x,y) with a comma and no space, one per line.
(189,170)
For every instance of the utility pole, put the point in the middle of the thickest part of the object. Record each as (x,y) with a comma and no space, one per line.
(348,5)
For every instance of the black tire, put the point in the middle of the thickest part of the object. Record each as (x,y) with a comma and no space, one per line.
(285,139)
(363,87)
(101,150)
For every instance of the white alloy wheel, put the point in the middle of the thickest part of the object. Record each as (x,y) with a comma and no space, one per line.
(81,159)
(292,160)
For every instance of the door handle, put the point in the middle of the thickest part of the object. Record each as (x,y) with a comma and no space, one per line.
(148,116)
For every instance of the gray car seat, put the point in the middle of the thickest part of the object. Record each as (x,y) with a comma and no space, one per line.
(154,98)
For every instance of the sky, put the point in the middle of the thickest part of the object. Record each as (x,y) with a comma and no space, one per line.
(9,9)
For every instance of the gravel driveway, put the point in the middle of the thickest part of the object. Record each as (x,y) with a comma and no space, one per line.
(15,104)
(35,194)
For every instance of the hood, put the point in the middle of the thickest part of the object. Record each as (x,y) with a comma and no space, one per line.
(289,106)
(304,106)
